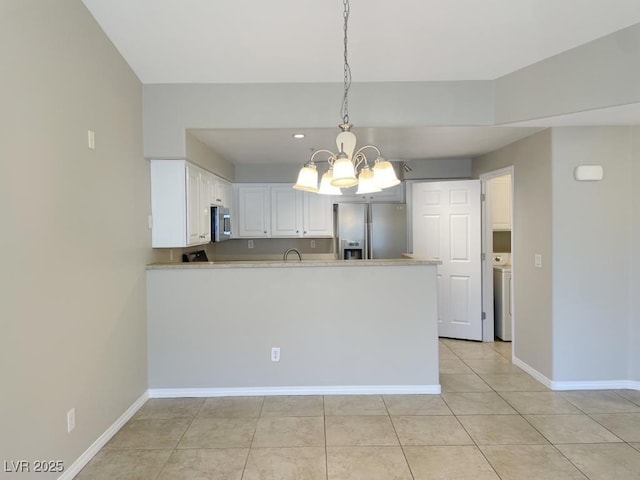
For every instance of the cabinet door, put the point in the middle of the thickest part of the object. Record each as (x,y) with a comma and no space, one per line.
(254,211)
(501,202)
(168,203)
(317,215)
(193,205)
(217,194)
(224,193)
(286,212)
(207,190)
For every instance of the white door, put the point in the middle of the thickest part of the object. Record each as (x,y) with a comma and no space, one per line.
(447,225)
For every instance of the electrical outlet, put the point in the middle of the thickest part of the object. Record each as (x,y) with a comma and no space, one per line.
(275,354)
(250,244)
(71,420)
(313,244)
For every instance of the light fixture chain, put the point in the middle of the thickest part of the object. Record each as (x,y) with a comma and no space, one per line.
(347,69)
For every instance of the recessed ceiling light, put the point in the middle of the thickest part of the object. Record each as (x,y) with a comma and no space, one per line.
(298,135)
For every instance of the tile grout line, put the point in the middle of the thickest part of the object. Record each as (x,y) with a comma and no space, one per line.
(255,429)
(393,425)
(555,447)
(469,434)
(175,448)
(326,450)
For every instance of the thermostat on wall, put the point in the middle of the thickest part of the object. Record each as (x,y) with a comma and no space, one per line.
(589,172)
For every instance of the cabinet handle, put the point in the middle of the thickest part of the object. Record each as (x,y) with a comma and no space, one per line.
(218,200)
(265,231)
(304,233)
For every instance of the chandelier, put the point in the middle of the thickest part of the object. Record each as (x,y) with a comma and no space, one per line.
(348,167)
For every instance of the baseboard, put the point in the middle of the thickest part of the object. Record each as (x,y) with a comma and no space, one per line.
(580,385)
(90,452)
(312,390)
(597,385)
(533,372)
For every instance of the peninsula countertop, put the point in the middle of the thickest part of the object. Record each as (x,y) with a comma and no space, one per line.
(294,263)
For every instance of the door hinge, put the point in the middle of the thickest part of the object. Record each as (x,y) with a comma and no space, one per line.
(484,257)
(484,315)
(483,197)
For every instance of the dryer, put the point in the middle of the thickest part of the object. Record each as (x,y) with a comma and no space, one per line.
(502,295)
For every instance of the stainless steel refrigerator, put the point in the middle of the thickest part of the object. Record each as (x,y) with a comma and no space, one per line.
(376,230)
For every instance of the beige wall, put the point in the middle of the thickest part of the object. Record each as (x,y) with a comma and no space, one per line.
(214,327)
(198,153)
(531,158)
(602,73)
(170,109)
(577,318)
(74,237)
(592,224)
(634,337)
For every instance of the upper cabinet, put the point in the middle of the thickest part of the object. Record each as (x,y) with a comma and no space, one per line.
(253,214)
(501,202)
(388,195)
(221,194)
(317,215)
(286,211)
(198,192)
(181,199)
(279,211)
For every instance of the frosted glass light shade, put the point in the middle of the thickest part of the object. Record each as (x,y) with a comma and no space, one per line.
(344,174)
(384,174)
(307,179)
(367,182)
(325,184)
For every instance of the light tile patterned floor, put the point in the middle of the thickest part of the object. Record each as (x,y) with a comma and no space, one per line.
(492,422)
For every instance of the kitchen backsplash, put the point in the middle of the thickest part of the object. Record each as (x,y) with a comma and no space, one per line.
(263,249)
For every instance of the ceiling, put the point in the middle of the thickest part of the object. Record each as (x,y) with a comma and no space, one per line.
(285,41)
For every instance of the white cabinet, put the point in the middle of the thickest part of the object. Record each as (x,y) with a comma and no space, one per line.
(224,194)
(317,215)
(388,195)
(181,199)
(279,211)
(501,202)
(221,193)
(254,211)
(286,212)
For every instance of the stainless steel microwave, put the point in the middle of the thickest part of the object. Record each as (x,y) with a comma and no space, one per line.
(220,224)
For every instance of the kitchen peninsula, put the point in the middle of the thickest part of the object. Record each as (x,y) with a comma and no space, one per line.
(340,326)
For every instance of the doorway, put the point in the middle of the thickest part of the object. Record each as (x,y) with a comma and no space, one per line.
(498,234)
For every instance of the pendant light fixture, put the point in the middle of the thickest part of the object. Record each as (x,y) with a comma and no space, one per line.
(348,167)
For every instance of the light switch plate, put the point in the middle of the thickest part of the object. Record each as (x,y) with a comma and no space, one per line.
(537,260)
(91,139)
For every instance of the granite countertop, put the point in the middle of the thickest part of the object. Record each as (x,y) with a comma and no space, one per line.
(294,264)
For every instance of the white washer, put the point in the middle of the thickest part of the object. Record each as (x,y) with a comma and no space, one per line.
(502,295)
